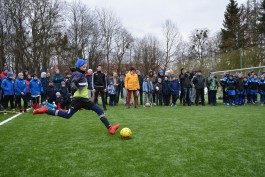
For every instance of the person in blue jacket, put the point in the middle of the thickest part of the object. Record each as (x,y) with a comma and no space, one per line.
(231,87)
(262,89)
(8,88)
(20,92)
(36,90)
(254,85)
(166,91)
(174,90)
(148,90)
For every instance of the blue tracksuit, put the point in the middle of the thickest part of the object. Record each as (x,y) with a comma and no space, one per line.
(20,86)
(262,91)
(231,86)
(254,85)
(8,86)
(35,87)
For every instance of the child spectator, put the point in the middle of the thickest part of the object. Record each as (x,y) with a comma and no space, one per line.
(223,83)
(20,91)
(36,89)
(51,97)
(148,89)
(28,91)
(166,91)
(63,90)
(254,85)
(262,90)
(67,101)
(174,90)
(58,100)
(8,88)
(45,84)
(246,86)
(240,90)
(213,87)
(231,86)
(159,92)
(112,93)
(44,106)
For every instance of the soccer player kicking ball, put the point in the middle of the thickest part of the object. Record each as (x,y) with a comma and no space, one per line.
(80,98)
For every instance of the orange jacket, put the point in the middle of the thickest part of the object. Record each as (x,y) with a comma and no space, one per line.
(131,81)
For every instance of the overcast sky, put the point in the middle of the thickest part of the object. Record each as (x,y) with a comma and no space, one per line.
(143,17)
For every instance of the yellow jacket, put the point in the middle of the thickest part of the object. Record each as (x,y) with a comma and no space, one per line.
(131,81)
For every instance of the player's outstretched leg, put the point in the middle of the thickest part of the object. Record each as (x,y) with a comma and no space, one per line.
(104,120)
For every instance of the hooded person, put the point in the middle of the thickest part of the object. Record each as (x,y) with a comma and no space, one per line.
(80,98)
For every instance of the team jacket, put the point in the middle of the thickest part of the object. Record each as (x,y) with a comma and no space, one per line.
(20,86)
(8,86)
(35,87)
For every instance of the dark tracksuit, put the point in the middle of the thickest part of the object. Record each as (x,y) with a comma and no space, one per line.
(166,92)
(159,93)
(199,82)
(185,81)
(231,86)
(99,83)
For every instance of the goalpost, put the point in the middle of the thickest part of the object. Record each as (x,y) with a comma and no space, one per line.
(242,69)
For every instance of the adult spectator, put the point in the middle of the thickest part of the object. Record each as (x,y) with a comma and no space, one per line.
(99,85)
(117,84)
(141,80)
(89,82)
(199,83)
(132,86)
(57,79)
(185,86)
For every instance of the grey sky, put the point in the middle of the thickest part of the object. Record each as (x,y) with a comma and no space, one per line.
(143,17)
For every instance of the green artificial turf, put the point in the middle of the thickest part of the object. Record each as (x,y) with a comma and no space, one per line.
(183,141)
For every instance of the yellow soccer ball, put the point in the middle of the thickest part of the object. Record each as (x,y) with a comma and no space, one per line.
(126,133)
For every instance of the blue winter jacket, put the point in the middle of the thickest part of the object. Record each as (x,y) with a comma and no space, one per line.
(35,87)
(20,86)
(166,87)
(8,86)
(145,87)
(174,87)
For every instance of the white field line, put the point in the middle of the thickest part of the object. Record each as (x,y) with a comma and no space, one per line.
(11,118)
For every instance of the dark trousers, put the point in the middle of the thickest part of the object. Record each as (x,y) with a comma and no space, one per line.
(112,100)
(102,93)
(174,99)
(18,99)
(212,96)
(8,98)
(186,96)
(159,98)
(199,93)
(43,97)
(141,96)
(117,95)
(225,96)
(181,95)
(166,99)
(154,98)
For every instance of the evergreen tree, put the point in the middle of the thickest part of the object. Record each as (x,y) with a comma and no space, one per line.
(261,19)
(231,28)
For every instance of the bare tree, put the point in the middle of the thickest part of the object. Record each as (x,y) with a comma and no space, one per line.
(109,25)
(171,38)
(199,42)
(123,41)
